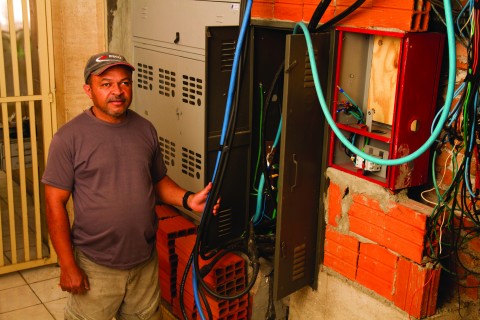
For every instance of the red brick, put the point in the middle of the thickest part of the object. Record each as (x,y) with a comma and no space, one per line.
(376,269)
(289,12)
(334,204)
(166,211)
(416,288)
(472,287)
(340,266)
(309,9)
(366,4)
(474,244)
(377,17)
(262,10)
(408,211)
(378,261)
(379,253)
(342,239)
(289,1)
(387,231)
(371,281)
(341,252)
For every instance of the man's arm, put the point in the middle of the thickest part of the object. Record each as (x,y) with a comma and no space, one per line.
(171,193)
(72,278)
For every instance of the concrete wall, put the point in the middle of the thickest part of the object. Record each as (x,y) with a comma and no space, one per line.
(119,27)
(78,32)
(82,28)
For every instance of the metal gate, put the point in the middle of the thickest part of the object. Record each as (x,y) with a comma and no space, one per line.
(26,128)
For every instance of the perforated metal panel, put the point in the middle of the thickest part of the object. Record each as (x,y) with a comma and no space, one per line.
(169,38)
(300,167)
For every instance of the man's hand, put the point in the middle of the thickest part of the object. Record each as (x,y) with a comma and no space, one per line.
(74,280)
(198,200)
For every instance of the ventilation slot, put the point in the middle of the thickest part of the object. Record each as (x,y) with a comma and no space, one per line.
(224,223)
(168,150)
(299,256)
(228,53)
(308,75)
(144,76)
(191,163)
(166,82)
(192,90)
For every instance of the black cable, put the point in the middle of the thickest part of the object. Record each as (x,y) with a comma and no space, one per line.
(318,14)
(324,27)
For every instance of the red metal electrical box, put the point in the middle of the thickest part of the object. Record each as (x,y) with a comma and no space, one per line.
(384,100)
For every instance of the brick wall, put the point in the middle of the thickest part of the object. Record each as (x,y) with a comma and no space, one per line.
(376,239)
(408,15)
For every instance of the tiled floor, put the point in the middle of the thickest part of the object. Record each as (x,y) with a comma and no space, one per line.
(32,294)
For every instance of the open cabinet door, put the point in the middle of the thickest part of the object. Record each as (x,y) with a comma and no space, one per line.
(302,140)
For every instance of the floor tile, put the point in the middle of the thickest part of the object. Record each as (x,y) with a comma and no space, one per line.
(41,273)
(38,312)
(11,280)
(17,298)
(56,308)
(48,290)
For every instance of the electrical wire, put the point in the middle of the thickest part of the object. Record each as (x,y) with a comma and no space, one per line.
(438,129)
(226,139)
(455,218)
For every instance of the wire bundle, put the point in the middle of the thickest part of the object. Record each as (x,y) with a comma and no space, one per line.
(455,220)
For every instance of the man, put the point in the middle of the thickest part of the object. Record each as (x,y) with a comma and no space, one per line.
(108,159)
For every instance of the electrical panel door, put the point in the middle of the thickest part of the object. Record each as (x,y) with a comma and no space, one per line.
(300,166)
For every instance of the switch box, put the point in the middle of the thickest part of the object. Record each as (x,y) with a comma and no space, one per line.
(384,98)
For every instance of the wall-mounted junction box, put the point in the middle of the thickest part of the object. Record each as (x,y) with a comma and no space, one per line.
(384,99)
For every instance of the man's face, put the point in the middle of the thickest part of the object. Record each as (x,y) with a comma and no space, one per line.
(111,93)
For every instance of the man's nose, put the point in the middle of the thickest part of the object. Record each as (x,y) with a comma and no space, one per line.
(116,89)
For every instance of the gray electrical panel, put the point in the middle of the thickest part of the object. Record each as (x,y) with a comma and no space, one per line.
(169,39)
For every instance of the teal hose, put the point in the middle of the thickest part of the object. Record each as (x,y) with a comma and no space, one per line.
(444,115)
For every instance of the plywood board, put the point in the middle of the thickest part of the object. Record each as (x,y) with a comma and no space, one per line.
(383,78)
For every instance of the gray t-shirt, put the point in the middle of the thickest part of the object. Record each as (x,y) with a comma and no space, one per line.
(111,170)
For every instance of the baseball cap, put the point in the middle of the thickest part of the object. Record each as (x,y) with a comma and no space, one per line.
(100,62)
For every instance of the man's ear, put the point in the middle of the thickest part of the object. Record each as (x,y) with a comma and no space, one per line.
(88,90)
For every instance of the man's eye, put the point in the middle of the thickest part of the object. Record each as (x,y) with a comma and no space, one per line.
(105,84)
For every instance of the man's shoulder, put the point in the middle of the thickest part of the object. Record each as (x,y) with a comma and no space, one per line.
(76,123)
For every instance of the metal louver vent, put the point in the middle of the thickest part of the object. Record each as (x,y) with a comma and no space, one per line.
(191,163)
(224,228)
(144,76)
(299,257)
(168,150)
(228,53)
(192,90)
(166,82)
(308,76)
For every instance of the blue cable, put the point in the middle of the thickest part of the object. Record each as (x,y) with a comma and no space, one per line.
(195,290)
(228,107)
(233,77)
(453,113)
(443,118)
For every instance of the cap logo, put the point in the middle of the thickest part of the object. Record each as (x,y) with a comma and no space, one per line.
(109,58)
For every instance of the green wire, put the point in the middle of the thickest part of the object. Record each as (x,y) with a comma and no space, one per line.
(260,85)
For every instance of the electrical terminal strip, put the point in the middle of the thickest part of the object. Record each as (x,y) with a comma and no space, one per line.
(367,165)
